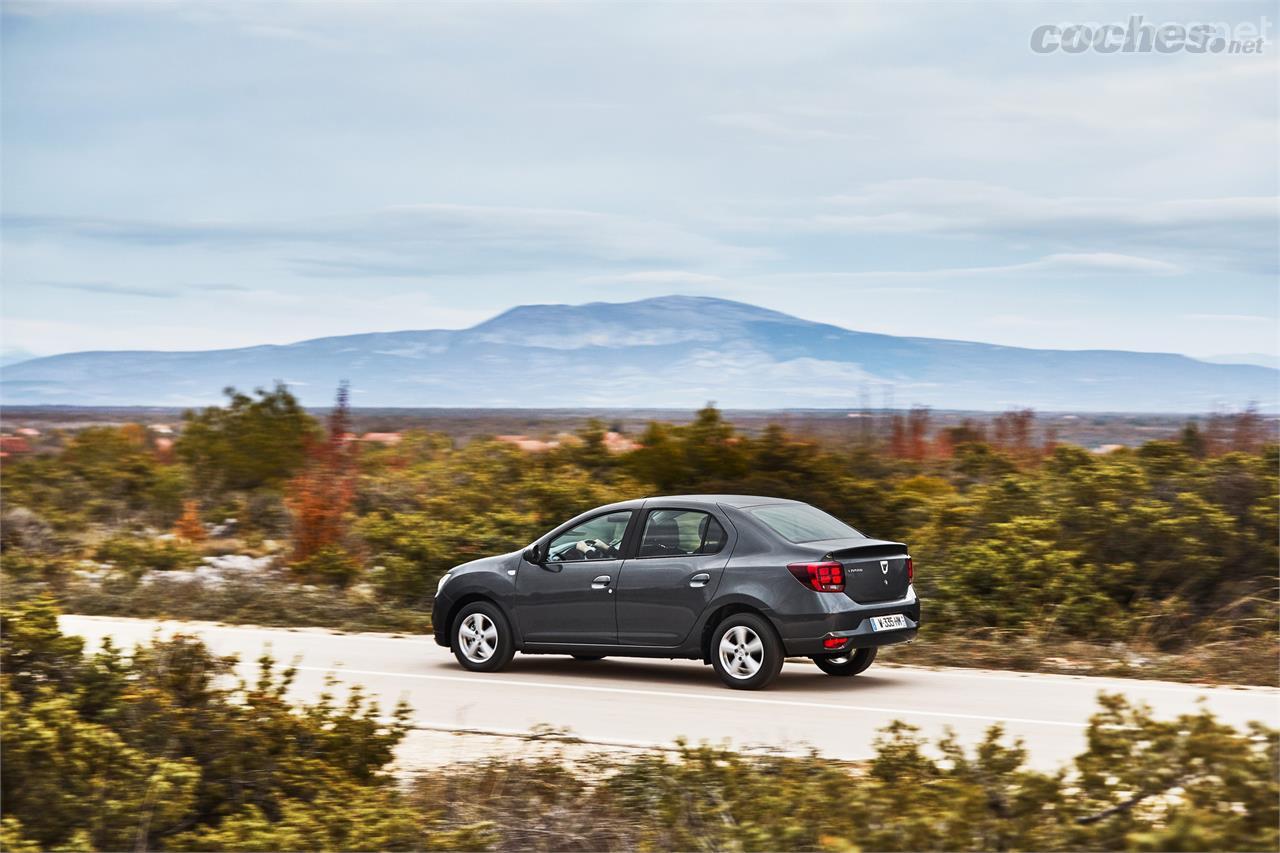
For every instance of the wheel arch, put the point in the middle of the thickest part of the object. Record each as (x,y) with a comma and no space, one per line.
(470,598)
(723,611)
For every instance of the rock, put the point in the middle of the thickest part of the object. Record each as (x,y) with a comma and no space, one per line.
(238,563)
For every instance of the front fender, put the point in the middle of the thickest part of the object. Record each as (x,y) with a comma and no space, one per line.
(496,587)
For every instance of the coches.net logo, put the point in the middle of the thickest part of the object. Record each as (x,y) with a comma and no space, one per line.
(1138,36)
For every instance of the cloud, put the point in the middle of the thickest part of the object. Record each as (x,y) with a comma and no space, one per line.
(1106,262)
(804,118)
(292,34)
(415,240)
(111,288)
(680,277)
(1061,264)
(221,287)
(170,292)
(1238,231)
(1230,318)
(781,127)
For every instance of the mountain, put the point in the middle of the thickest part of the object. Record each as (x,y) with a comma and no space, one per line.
(13,355)
(1261,358)
(675,351)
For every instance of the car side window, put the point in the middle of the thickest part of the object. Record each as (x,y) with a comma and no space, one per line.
(598,538)
(681,533)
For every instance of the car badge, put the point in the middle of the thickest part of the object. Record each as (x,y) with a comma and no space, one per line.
(884,566)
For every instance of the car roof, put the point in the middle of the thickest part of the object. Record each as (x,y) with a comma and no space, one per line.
(690,502)
(727,500)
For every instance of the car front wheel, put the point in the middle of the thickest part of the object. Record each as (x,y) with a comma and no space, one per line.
(482,638)
(746,652)
(849,663)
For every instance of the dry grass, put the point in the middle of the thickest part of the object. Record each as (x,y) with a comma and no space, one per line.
(1252,660)
(274,599)
(260,600)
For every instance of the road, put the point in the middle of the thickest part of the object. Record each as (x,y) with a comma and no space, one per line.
(632,702)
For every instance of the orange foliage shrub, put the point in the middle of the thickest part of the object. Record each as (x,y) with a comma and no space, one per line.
(321,496)
(189,526)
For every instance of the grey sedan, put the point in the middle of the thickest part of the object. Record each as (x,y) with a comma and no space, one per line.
(738,582)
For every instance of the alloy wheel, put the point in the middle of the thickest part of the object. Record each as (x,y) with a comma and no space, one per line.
(478,637)
(741,652)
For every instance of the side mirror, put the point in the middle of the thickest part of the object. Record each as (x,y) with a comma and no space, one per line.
(533,554)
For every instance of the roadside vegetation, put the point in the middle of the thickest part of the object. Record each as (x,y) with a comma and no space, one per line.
(165,747)
(1158,561)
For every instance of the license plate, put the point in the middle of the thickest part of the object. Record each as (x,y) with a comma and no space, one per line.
(888,623)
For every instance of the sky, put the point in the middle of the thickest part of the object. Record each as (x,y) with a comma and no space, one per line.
(183,175)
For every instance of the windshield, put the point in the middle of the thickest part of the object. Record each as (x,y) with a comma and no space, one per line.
(802,523)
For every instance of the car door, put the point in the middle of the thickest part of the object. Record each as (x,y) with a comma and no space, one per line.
(569,598)
(672,577)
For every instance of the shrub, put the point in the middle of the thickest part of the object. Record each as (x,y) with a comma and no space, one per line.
(165,748)
(330,564)
(136,555)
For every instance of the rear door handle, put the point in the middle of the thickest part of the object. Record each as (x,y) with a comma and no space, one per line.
(601,582)
(700,579)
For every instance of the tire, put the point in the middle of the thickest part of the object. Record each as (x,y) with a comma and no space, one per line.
(746,652)
(849,663)
(588,657)
(481,638)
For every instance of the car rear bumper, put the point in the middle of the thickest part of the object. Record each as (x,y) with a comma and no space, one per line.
(804,637)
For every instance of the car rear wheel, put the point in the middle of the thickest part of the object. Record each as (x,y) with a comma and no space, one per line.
(849,663)
(746,652)
(481,638)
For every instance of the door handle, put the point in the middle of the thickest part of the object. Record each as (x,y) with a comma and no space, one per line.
(600,582)
(700,579)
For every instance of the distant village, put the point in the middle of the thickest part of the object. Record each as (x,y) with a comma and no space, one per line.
(160,437)
(27,430)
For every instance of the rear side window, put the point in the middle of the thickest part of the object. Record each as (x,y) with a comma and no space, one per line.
(802,523)
(680,533)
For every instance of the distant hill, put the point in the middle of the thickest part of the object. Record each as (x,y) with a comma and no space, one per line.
(675,351)
(13,355)
(1245,358)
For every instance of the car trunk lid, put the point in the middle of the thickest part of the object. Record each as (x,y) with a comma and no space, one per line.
(874,570)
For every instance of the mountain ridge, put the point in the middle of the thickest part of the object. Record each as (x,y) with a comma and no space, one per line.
(668,351)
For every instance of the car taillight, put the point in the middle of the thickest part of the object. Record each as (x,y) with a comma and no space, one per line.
(821,577)
(911,570)
(834,642)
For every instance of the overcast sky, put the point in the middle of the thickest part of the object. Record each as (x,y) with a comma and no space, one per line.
(198,175)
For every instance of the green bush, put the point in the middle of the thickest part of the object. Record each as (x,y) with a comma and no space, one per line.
(135,555)
(165,749)
(1184,784)
(331,565)
(247,444)
(1164,549)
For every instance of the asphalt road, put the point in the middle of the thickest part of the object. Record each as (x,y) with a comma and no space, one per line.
(644,702)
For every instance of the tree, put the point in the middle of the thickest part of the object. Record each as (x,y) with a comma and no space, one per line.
(1193,441)
(189,526)
(247,444)
(918,433)
(321,496)
(1013,431)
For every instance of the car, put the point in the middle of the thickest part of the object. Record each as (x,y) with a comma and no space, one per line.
(739,582)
